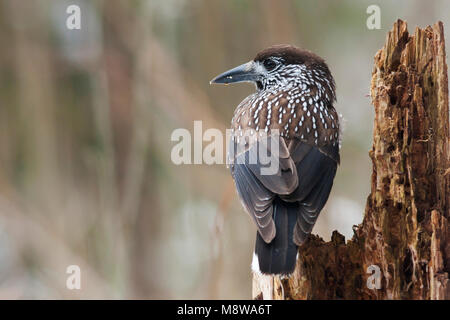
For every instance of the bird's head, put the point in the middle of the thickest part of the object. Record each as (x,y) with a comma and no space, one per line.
(280,66)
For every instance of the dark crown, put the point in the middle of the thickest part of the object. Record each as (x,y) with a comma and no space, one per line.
(315,67)
(291,55)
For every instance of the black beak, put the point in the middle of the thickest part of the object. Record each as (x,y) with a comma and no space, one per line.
(244,72)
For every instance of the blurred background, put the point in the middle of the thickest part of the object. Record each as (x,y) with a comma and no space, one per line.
(86,118)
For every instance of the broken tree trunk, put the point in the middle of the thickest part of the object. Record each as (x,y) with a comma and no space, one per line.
(402,248)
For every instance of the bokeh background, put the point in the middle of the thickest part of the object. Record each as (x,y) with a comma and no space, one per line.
(86,118)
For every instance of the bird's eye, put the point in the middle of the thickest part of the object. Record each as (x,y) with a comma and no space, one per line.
(269,64)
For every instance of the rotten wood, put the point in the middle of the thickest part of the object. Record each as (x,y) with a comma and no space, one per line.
(405,232)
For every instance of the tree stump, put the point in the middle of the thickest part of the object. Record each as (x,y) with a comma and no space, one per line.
(402,248)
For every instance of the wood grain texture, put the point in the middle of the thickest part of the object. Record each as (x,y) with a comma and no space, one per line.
(405,231)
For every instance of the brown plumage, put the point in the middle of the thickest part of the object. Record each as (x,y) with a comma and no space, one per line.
(294,106)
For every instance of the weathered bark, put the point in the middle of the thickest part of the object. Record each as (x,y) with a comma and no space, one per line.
(405,231)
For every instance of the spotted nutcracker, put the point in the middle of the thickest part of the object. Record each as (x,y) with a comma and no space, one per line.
(293,106)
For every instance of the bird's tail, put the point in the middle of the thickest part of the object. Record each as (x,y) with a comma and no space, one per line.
(280,255)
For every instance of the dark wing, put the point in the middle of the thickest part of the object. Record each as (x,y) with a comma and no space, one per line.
(305,167)
(258,181)
(316,169)
(304,175)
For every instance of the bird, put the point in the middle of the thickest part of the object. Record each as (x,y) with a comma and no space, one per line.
(293,108)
